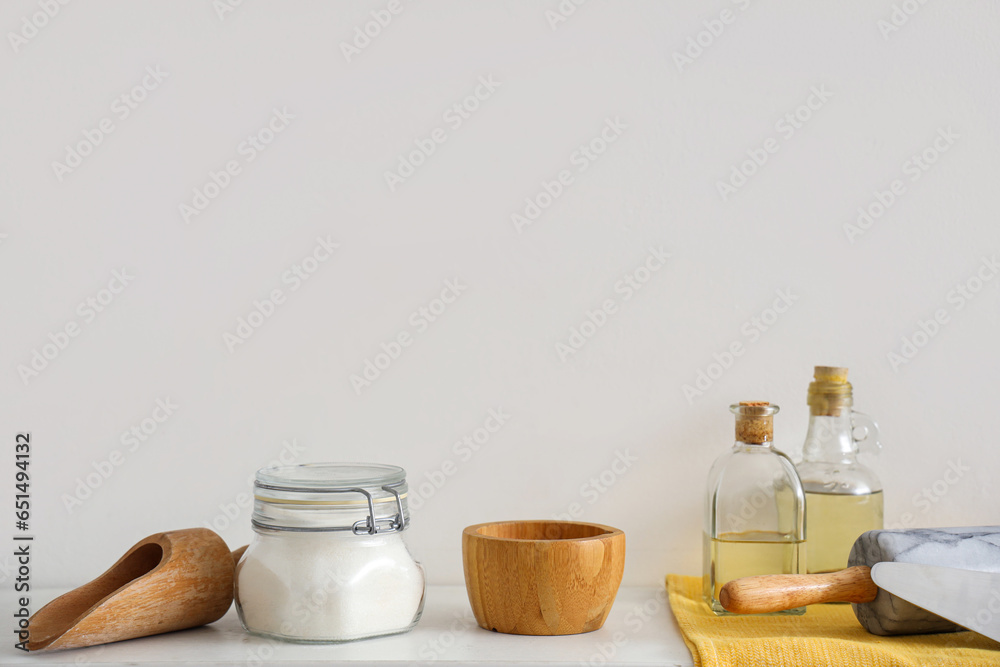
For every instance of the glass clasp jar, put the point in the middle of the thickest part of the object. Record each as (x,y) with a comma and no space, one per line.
(328,562)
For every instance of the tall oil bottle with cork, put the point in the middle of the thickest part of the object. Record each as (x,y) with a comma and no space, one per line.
(755,509)
(843,496)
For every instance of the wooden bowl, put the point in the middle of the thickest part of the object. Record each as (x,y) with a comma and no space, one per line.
(542,577)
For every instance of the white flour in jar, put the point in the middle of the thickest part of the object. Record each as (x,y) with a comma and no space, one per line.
(323,586)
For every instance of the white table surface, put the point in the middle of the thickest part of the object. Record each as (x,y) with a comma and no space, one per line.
(640,630)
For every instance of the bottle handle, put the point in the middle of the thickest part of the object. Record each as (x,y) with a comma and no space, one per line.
(864,432)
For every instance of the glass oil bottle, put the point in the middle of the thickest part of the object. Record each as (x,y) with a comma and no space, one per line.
(755,514)
(843,496)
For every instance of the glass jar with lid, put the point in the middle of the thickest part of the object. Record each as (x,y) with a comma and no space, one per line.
(328,562)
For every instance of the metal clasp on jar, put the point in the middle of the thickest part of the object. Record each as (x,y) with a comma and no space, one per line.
(373,526)
(367,526)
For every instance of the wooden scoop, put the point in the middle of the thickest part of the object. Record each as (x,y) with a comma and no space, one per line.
(168,581)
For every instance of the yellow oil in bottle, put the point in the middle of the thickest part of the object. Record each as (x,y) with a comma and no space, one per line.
(746,554)
(834,522)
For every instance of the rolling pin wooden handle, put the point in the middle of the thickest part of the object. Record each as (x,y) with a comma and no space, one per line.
(778,592)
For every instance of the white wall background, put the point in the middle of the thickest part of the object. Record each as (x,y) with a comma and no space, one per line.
(163,336)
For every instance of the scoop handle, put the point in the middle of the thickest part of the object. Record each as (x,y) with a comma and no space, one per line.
(778,592)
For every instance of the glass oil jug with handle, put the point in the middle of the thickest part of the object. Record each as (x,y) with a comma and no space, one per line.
(843,496)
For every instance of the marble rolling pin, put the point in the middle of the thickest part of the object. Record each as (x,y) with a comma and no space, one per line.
(878,611)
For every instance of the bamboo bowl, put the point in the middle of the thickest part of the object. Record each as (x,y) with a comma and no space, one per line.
(542,577)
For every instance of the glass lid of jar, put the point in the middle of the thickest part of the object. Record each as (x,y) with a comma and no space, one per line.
(365,498)
(320,476)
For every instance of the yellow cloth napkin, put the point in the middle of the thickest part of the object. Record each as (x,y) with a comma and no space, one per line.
(826,635)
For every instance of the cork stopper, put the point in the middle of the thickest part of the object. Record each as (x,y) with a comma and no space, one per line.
(836,374)
(830,392)
(754,421)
